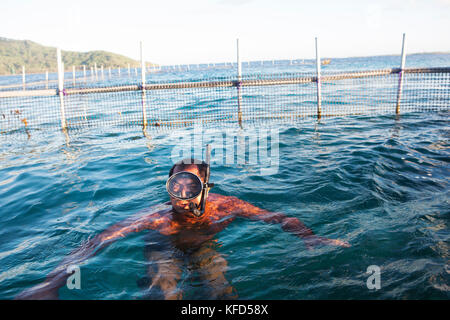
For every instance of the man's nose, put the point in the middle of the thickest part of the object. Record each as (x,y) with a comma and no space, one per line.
(183,192)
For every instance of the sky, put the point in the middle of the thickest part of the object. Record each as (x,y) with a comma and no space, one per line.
(205,31)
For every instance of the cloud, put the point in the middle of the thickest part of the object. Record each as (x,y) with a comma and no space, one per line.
(374,15)
(235,2)
(444,2)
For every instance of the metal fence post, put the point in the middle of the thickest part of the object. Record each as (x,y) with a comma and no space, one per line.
(144,98)
(400,75)
(319,93)
(238,85)
(61,88)
(23,78)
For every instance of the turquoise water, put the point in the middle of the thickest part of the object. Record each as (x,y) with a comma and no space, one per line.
(378,182)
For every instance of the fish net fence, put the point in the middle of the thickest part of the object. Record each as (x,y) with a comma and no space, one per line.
(185,102)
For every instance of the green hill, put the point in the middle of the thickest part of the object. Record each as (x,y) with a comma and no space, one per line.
(37,58)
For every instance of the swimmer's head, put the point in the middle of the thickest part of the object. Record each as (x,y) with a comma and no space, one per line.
(198,168)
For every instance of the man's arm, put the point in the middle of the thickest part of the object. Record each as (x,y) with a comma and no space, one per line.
(289,224)
(58,277)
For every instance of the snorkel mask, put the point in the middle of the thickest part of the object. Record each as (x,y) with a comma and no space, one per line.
(186,185)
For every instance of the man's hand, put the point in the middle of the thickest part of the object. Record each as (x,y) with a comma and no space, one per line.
(313,240)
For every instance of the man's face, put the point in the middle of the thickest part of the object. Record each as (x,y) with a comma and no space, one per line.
(182,206)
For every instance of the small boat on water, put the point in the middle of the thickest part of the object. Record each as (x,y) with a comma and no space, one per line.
(325,62)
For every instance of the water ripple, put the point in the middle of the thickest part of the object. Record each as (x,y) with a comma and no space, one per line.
(377,182)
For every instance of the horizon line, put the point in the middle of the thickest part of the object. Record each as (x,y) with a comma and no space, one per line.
(275,59)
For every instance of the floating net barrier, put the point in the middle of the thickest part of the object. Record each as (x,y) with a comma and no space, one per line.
(185,102)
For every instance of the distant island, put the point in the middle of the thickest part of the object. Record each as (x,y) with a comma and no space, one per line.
(37,58)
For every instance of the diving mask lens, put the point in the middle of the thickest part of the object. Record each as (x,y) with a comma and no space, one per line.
(184,185)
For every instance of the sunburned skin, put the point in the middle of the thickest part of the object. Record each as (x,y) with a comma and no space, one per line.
(185,231)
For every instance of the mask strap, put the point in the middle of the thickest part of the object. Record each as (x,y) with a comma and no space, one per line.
(199,211)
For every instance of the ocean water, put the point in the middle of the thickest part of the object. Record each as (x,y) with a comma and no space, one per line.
(205,71)
(378,182)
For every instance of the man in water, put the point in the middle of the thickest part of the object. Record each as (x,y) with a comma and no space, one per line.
(184,230)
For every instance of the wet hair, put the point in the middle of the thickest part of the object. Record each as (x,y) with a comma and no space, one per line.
(189,162)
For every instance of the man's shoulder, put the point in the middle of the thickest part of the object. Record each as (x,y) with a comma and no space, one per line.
(220,197)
